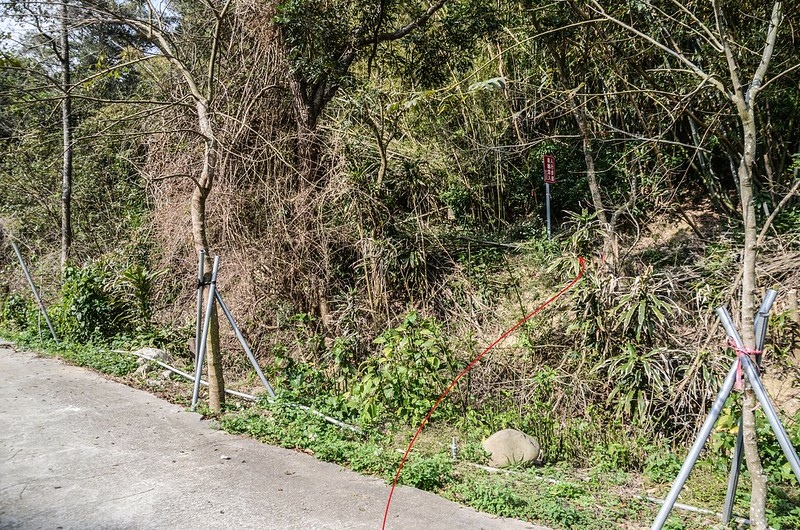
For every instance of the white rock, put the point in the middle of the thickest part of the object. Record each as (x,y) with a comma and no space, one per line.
(511,446)
(152,354)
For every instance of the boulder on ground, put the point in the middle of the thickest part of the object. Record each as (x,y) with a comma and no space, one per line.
(150,354)
(153,354)
(510,446)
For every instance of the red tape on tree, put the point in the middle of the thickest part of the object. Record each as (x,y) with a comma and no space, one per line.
(508,332)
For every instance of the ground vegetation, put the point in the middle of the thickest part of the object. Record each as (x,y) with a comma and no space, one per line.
(371,175)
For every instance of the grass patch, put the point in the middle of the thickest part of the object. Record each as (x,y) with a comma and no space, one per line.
(558,496)
(92,356)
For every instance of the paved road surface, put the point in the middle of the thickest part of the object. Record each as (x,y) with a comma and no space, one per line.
(78,451)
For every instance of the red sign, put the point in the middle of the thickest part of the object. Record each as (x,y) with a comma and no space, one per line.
(549,169)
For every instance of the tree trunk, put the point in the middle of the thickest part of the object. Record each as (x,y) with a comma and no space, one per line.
(66,126)
(795,316)
(610,243)
(610,240)
(745,106)
(216,380)
(758,495)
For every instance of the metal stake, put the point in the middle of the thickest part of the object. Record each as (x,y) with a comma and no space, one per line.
(733,479)
(763,398)
(201,261)
(39,302)
(201,352)
(243,342)
(761,394)
(760,325)
(760,322)
(694,453)
(547,203)
(772,416)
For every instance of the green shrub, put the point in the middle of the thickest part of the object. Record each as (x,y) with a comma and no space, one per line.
(413,369)
(298,381)
(101,300)
(17,313)
(89,308)
(428,473)
(662,466)
(372,458)
(490,496)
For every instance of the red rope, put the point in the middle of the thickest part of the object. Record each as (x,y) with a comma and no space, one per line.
(467,369)
(752,354)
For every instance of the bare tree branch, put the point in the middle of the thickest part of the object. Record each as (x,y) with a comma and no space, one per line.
(769,48)
(679,56)
(792,192)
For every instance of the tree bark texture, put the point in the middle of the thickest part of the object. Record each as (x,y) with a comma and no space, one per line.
(758,493)
(795,316)
(610,243)
(66,125)
(216,379)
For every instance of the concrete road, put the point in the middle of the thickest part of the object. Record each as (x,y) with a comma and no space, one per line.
(78,451)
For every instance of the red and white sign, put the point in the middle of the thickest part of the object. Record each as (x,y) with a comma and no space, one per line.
(549,169)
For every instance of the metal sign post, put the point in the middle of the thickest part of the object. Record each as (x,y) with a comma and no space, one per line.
(549,164)
(547,202)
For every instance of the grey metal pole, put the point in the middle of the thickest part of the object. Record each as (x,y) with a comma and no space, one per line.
(36,296)
(761,321)
(733,479)
(761,394)
(244,344)
(694,452)
(206,324)
(201,261)
(772,416)
(547,202)
(727,323)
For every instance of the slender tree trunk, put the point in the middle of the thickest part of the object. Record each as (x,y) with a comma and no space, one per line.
(610,240)
(610,243)
(742,94)
(216,380)
(745,106)
(795,316)
(591,173)
(66,126)
(758,494)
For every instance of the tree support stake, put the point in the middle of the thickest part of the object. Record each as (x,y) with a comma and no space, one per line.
(201,332)
(754,379)
(38,298)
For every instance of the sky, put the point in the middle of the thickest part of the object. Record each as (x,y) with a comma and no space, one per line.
(11,30)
